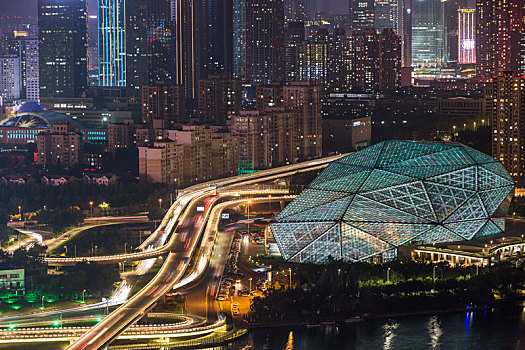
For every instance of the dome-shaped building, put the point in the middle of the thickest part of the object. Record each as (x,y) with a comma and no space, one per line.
(372,201)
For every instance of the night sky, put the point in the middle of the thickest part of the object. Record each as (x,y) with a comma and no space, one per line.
(28,7)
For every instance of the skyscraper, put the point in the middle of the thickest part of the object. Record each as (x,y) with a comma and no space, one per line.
(239,38)
(62,26)
(216,37)
(466,36)
(9,78)
(295,51)
(31,78)
(295,10)
(386,13)
(185,15)
(428,37)
(508,124)
(265,41)
(112,42)
(361,14)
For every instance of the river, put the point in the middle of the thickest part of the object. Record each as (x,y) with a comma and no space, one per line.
(490,329)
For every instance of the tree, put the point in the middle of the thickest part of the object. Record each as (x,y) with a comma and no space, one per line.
(156,213)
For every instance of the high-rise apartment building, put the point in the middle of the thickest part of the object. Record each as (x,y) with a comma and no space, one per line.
(10,84)
(220,98)
(164,101)
(466,36)
(428,38)
(62,27)
(303,98)
(159,162)
(112,42)
(265,41)
(499,25)
(294,51)
(361,14)
(266,139)
(508,124)
(59,146)
(376,61)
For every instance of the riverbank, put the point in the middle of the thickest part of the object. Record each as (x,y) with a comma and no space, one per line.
(363,317)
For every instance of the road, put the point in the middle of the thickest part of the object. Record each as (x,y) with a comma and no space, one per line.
(181,247)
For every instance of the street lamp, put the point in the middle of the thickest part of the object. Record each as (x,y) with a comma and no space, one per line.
(20,212)
(43,296)
(65,247)
(160,203)
(249,202)
(91,208)
(83,300)
(290,271)
(388,274)
(250,284)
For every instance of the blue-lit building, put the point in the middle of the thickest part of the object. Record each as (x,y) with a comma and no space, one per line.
(31,119)
(369,203)
(112,42)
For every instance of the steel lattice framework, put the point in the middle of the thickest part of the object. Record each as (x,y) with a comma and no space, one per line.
(372,201)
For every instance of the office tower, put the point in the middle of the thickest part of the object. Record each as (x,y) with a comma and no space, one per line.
(220,98)
(361,14)
(404,29)
(498,27)
(62,26)
(303,99)
(9,78)
(185,16)
(25,47)
(165,101)
(31,69)
(239,38)
(451,28)
(93,38)
(149,33)
(112,42)
(265,41)
(428,38)
(295,10)
(386,13)
(508,124)
(466,36)
(294,51)
(216,37)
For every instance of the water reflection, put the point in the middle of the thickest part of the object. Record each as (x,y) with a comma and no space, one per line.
(389,334)
(434,331)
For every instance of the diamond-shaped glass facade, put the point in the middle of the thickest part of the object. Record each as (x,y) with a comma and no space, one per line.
(372,201)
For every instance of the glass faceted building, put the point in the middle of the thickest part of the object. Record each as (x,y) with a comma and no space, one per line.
(370,202)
